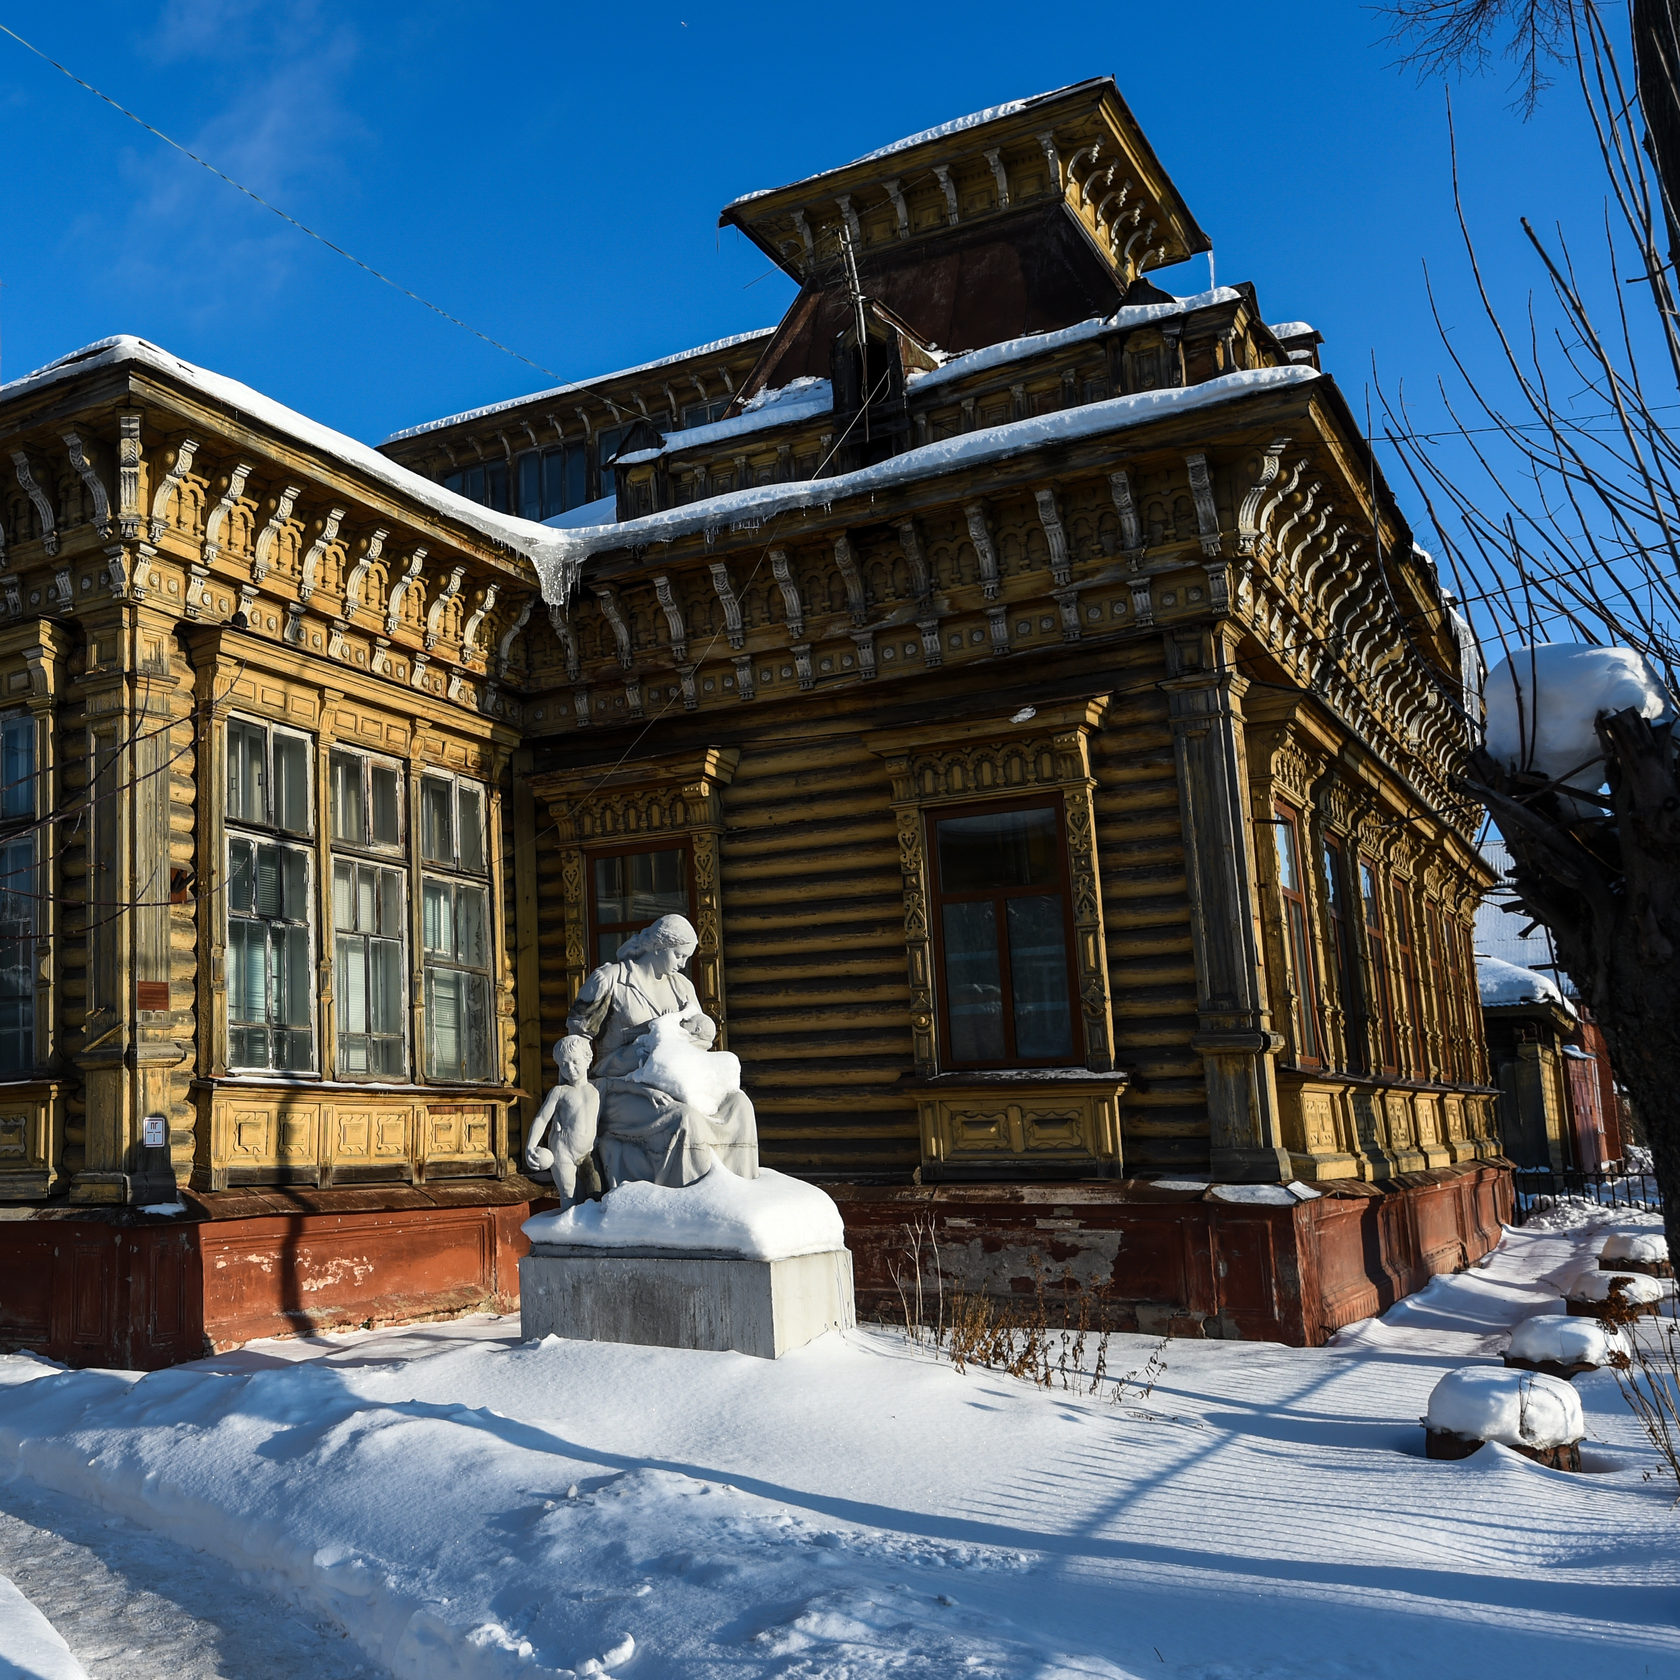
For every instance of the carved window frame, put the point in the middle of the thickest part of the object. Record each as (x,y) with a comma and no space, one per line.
(672,799)
(1007,757)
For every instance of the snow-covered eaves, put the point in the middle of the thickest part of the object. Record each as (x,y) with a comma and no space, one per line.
(754,507)
(940,131)
(554,391)
(1294,329)
(1504,985)
(1036,344)
(801,399)
(542,547)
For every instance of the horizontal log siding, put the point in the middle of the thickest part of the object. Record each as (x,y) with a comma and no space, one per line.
(554,1000)
(813,955)
(1146,916)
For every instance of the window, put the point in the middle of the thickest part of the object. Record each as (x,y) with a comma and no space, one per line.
(1405,949)
(1297,937)
(486,483)
(553,480)
(1342,951)
(370,916)
(270,983)
(455,928)
(606,446)
(704,413)
(627,890)
(18,898)
(1004,954)
(1376,941)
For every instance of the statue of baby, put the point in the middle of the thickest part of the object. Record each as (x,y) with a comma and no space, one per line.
(562,1137)
(678,1062)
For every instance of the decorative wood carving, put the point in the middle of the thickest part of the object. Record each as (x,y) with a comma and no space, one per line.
(1131,531)
(1248,515)
(744,676)
(666,593)
(846,563)
(263,559)
(128,475)
(729,602)
(1207,513)
(219,513)
(178,470)
(910,541)
(475,623)
(435,612)
(981,536)
(792,606)
(614,612)
(1061,565)
(38,496)
(394,603)
(359,573)
(309,573)
(95,484)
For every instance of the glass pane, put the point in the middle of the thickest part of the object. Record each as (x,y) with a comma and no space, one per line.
(1368,890)
(612,899)
(246,799)
(475,1061)
(577,475)
(391,905)
(291,784)
(352,985)
(387,806)
(299,982)
(657,886)
(530,485)
(606,946)
(344,897)
(1000,849)
(437,919)
(1038,972)
(443,1021)
(472,484)
(349,816)
(1289,874)
(17,768)
(1333,878)
(554,483)
(295,902)
(496,485)
(17,889)
(437,837)
(367,904)
(472,941)
(268,881)
(242,876)
(973,983)
(385,986)
(470,802)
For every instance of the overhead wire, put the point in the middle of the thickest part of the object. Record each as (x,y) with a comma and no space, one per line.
(257,198)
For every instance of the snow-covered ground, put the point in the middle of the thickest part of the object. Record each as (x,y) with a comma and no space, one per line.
(465,1506)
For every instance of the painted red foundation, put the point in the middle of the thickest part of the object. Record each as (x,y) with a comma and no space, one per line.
(97,1287)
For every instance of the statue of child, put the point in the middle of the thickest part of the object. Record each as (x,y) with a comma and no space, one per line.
(563,1134)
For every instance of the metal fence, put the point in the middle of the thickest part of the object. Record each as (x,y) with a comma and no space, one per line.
(1541,1189)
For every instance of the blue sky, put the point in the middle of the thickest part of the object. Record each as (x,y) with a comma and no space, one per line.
(552,174)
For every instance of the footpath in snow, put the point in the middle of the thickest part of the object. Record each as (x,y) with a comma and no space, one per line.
(466,1507)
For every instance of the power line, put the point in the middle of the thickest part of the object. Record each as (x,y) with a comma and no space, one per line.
(257,198)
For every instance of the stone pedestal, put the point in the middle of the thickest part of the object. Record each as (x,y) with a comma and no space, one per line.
(685,1298)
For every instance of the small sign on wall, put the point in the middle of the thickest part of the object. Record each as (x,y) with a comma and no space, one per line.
(152,994)
(154,1131)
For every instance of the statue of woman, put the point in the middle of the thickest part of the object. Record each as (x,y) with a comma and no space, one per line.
(665,1126)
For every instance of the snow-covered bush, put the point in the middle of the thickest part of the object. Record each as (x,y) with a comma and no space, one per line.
(1592,1290)
(1516,1408)
(1543,703)
(1557,1339)
(1638,1248)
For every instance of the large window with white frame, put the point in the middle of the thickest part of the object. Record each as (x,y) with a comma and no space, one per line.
(455,924)
(270,898)
(370,915)
(18,896)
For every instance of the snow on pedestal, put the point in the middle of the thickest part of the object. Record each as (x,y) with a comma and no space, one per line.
(1591,1292)
(1642,1251)
(1562,1346)
(1534,1414)
(756,1266)
(1543,703)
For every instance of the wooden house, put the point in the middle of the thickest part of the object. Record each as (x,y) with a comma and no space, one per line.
(1021,676)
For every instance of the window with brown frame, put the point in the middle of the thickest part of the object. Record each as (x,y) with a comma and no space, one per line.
(1405,948)
(1003,937)
(1445,995)
(1292,890)
(1376,941)
(1344,953)
(632,886)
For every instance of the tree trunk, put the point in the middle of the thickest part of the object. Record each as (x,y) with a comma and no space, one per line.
(1656,63)
(1610,893)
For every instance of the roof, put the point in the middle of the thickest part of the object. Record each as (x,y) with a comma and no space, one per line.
(542,547)
(553,391)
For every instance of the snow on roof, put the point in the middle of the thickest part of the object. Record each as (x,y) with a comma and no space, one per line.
(975,119)
(543,548)
(1292,329)
(1503,984)
(1013,349)
(799,399)
(752,507)
(581,384)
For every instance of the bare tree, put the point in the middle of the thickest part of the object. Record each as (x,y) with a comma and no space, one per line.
(1555,497)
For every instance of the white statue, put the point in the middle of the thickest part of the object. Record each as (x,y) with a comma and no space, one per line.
(562,1137)
(670,1105)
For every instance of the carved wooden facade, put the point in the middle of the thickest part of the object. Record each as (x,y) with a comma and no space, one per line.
(1145,594)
